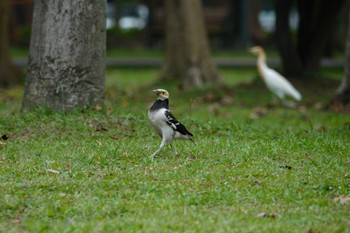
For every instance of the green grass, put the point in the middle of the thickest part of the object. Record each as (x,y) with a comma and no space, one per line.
(150,53)
(279,173)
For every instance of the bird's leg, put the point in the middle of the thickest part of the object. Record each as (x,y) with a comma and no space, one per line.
(160,147)
(274,102)
(174,150)
(289,104)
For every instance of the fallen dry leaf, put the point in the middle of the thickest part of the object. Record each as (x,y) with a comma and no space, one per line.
(258,113)
(2,144)
(210,97)
(312,231)
(322,128)
(101,128)
(267,215)
(285,166)
(98,107)
(290,104)
(53,171)
(214,108)
(226,100)
(17,219)
(342,200)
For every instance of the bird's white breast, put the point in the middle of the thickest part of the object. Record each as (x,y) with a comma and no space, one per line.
(159,122)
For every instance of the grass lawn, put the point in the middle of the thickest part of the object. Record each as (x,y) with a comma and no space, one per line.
(255,167)
(23,52)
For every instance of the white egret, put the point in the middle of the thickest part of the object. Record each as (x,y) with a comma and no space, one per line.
(274,81)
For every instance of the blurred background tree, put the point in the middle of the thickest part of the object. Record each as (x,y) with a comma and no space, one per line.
(342,98)
(141,23)
(304,32)
(317,20)
(187,53)
(10,74)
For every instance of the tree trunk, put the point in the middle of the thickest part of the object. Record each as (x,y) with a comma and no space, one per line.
(255,30)
(10,74)
(290,60)
(187,49)
(317,18)
(174,63)
(341,101)
(66,64)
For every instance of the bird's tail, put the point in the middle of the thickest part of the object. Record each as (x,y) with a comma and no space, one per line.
(296,94)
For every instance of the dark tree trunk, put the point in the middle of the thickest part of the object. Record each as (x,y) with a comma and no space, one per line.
(174,64)
(10,74)
(66,64)
(341,101)
(255,30)
(290,60)
(317,18)
(187,49)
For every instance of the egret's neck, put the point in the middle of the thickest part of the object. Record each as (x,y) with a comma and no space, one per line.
(261,63)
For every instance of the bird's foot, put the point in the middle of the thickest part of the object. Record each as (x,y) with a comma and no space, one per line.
(175,154)
(289,104)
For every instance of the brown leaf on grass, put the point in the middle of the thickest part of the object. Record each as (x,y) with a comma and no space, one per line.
(226,100)
(210,97)
(98,107)
(258,113)
(344,200)
(338,107)
(285,166)
(267,215)
(53,171)
(116,137)
(17,219)
(290,104)
(312,231)
(101,128)
(322,128)
(320,106)
(2,144)
(214,108)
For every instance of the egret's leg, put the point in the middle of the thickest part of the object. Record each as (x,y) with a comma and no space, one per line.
(275,101)
(159,149)
(285,106)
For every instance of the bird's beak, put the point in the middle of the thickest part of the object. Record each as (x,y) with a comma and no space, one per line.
(155,91)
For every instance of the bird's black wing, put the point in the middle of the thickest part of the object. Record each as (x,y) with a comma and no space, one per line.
(175,124)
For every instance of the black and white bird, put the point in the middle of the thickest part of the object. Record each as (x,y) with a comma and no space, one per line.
(164,122)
